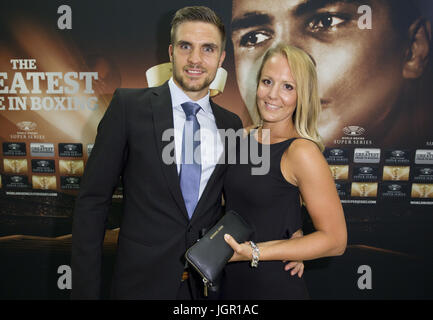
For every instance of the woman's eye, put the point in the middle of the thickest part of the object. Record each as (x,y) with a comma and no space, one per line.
(255,38)
(325,22)
(288,87)
(266,82)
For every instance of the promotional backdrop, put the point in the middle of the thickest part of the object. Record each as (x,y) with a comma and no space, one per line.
(60,62)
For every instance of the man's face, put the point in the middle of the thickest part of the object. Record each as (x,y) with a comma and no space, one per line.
(196,56)
(359,70)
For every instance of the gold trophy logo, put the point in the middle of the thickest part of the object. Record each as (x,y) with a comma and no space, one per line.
(15,166)
(395,173)
(422,190)
(44,182)
(364,189)
(75,167)
(339,172)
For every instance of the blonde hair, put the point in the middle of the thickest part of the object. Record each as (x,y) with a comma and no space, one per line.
(308,107)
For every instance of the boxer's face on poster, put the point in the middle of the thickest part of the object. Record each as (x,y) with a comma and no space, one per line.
(196,55)
(359,70)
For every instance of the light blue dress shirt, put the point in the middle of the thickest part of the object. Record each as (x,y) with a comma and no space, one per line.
(211,143)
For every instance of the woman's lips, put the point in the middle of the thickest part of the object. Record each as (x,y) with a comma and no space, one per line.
(271,107)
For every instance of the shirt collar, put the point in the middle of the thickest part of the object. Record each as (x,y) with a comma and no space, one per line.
(178,96)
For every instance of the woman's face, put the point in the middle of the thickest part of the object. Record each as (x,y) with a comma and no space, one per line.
(276,91)
(359,70)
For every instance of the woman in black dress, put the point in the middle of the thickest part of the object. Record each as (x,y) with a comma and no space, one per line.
(288,104)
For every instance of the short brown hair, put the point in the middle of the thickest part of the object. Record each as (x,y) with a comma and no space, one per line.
(197,13)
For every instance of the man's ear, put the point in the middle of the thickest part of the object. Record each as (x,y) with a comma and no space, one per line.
(418,52)
(170,52)
(223,55)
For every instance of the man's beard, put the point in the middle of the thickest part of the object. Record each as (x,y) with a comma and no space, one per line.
(188,86)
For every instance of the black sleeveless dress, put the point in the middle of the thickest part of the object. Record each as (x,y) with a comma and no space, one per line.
(272,206)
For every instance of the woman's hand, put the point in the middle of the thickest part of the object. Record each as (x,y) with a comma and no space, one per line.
(242,252)
(296,266)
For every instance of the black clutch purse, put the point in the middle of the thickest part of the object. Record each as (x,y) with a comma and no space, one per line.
(211,253)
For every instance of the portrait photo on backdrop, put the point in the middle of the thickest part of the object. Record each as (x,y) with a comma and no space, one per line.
(377,77)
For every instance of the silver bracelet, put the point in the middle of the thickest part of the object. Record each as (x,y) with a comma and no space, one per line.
(256,255)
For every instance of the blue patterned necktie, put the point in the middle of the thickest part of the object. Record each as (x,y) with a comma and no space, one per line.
(190,169)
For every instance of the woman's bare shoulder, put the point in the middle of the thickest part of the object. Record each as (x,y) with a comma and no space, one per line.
(304,151)
(302,146)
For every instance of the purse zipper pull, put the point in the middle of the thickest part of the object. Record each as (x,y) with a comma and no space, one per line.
(205,282)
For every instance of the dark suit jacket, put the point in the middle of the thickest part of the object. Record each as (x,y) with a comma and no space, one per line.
(155,230)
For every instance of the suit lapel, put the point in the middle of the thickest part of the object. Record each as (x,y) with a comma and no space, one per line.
(163,120)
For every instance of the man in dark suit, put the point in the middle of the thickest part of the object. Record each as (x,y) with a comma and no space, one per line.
(166,204)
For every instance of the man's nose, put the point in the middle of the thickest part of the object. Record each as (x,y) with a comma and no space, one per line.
(288,33)
(194,56)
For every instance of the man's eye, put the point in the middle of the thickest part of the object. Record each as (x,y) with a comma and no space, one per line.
(184,46)
(208,49)
(255,38)
(325,22)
